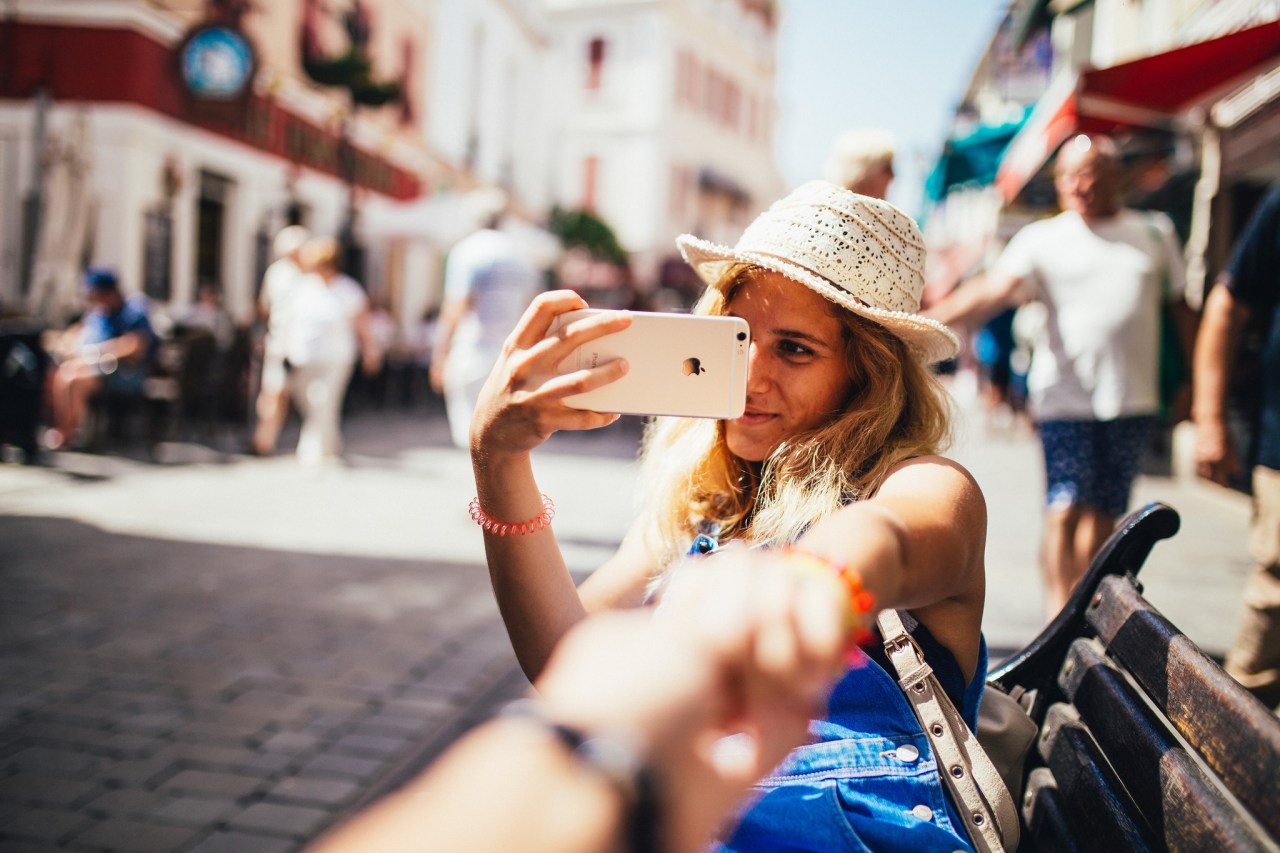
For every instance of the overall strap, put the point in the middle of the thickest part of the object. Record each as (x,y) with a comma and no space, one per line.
(989,813)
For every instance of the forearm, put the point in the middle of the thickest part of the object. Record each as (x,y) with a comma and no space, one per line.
(123,348)
(534,590)
(919,541)
(1215,352)
(450,315)
(974,302)
(871,544)
(505,786)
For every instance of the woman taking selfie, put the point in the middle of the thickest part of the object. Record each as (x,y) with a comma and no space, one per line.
(833,466)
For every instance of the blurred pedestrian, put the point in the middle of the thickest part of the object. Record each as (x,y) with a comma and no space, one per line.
(861,160)
(619,749)
(111,350)
(488,284)
(279,288)
(326,336)
(1248,288)
(208,314)
(382,335)
(1101,272)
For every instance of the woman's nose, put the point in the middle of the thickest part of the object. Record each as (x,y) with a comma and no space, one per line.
(757,369)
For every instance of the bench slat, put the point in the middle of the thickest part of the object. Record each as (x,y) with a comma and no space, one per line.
(1235,734)
(1094,798)
(1044,816)
(1171,789)
(1035,668)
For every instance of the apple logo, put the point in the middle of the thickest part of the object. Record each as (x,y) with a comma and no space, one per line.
(693,367)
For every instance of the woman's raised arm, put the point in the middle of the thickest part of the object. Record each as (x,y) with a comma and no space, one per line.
(520,406)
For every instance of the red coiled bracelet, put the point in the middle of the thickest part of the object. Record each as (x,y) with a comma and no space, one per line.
(861,601)
(498,528)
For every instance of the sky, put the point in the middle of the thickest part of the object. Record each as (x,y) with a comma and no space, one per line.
(901,65)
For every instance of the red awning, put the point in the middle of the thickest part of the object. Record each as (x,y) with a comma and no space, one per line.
(1147,92)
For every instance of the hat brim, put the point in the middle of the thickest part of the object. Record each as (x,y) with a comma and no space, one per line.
(928,340)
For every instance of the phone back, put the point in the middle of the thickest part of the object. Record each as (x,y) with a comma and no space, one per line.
(680,364)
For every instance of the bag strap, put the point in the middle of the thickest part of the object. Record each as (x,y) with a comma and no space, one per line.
(988,810)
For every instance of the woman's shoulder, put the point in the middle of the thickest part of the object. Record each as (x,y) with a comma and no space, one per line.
(932,474)
(931,465)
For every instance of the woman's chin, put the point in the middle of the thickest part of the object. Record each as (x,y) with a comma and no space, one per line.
(745,447)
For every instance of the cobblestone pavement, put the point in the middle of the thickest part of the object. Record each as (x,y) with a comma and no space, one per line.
(222,653)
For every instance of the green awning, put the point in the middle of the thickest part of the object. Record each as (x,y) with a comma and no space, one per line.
(972,158)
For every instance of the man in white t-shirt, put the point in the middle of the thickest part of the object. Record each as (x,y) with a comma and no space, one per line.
(1101,272)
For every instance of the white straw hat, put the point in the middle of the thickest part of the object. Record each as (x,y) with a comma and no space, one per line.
(862,253)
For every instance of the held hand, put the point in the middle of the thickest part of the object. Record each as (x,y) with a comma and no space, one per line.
(740,647)
(1216,458)
(522,402)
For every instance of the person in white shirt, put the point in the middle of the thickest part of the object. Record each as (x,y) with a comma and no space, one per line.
(279,287)
(488,283)
(326,335)
(1101,272)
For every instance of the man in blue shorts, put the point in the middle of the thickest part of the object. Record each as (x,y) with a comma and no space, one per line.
(112,352)
(1101,271)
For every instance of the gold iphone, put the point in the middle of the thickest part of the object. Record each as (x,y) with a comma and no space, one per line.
(684,365)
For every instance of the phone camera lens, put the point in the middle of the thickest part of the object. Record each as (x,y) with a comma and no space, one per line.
(742,336)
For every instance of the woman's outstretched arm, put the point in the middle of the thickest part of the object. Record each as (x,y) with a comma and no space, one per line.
(918,544)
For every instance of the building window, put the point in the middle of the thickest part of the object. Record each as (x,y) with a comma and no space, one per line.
(590,176)
(595,62)
(732,105)
(157,254)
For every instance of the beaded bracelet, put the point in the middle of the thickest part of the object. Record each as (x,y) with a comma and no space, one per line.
(498,528)
(618,760)
(861,601)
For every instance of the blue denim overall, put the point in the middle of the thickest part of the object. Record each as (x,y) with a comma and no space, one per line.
(868,781)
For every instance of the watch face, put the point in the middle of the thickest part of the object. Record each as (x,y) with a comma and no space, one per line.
(217,62)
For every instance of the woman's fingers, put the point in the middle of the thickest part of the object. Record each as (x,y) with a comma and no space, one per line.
(541,313)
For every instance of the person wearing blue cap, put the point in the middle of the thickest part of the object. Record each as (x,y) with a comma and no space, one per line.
(111,353)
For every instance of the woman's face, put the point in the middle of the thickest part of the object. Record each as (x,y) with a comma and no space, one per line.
(797,376)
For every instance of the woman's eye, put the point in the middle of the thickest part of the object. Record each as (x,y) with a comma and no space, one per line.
(794,348)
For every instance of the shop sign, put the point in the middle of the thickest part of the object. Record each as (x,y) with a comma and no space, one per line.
(216,63)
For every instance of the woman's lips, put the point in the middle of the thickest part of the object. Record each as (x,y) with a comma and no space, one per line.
(751,417)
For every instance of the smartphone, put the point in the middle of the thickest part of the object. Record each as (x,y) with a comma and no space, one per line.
(685,365)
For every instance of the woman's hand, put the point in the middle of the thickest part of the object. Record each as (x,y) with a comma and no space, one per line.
(522,402)
(741,646)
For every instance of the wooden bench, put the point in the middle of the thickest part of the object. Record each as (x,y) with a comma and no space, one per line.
(1145,742)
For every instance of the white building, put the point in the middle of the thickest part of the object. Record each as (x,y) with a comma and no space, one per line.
(657,115)
(184,137)
(665,119)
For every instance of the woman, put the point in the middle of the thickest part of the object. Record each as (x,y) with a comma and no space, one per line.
(835,458)
(327,332)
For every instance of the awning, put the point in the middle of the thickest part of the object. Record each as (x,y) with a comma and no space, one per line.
(1149,92)
(971,158)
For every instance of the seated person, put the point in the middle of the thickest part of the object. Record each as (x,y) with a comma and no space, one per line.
(112,351)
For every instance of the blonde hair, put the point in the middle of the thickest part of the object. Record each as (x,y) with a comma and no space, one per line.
(856,154)
(320,253)
(897,410)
